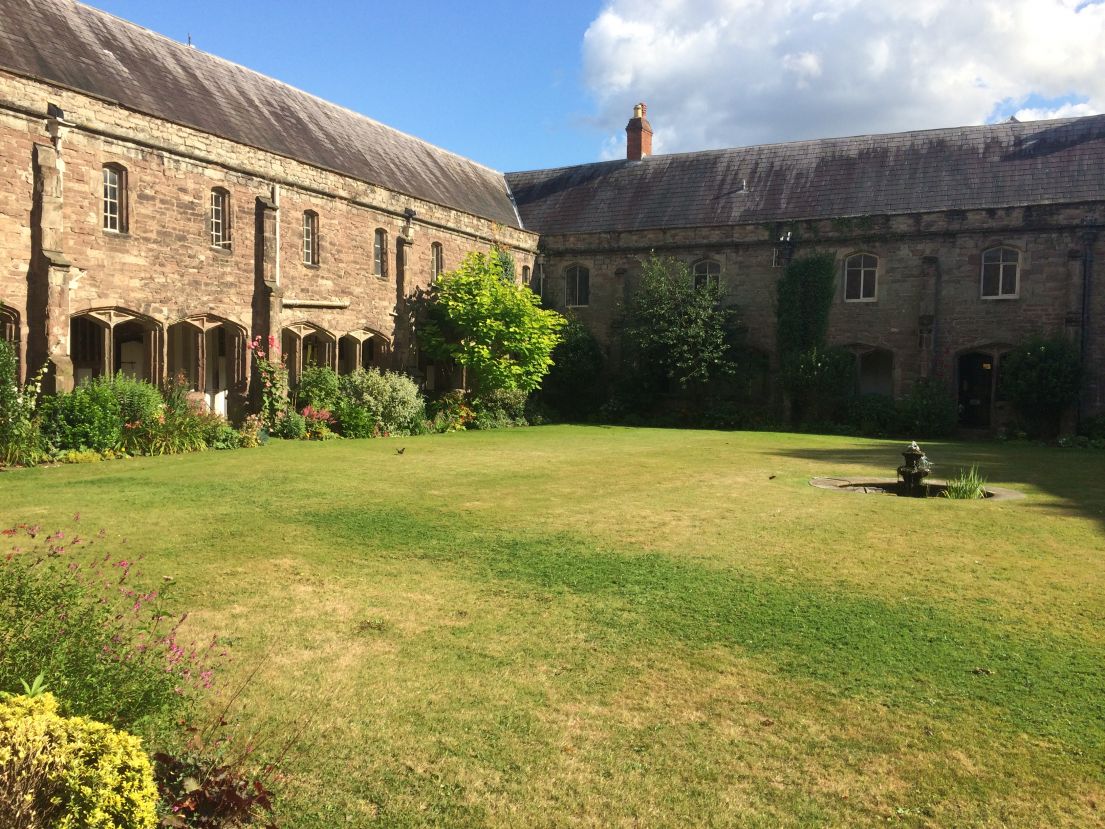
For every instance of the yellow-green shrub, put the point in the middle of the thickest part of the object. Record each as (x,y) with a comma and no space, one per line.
(71,772)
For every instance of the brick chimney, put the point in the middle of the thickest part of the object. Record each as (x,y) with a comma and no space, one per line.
(638,135)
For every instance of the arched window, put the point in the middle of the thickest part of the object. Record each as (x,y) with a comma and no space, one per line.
(310,238)
(220,218)
(437,261)
(380,253)
(9,325)
(860,277)
(578,287)
(707,274)
(115,198)
(525,275)
(1001,273)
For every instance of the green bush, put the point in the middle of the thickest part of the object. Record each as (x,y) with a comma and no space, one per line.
(139,401)
(821,383)
(318,388)
(21,441)
(354,420)
(573,386)
(87,418)
(874,415)
(500,408)
(451,412)
(71,772)
(1093,428)
(290,425)
(68,610)
(1041,377)
(391,400)
(929,411)
(226,437)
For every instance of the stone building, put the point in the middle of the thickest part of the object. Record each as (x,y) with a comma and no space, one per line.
(163,206)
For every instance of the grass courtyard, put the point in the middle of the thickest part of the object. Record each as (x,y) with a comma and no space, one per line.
(585,626)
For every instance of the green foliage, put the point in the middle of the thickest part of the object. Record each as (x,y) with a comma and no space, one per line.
(500,409)
(318,388)
(1042,377)
(929,411)
(89,417)
(818,380)
(969,485)
(676,332)
(226,437)
(379,403)
(476,318)
(821,382)
(21,441)
(451,412)
(69,612)
(805,295)
(251,432)
(139,401)
(70,772)
(874,415)
(573,386)
(290,425)
(273,376)
(506,263)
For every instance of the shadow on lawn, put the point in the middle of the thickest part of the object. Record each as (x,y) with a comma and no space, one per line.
(1075,476)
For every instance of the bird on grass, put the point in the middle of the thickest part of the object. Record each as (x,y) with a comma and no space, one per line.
(400,450)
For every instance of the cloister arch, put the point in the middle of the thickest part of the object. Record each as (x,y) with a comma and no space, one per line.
(210,352)
(306,344)
(106,341)
(362,349)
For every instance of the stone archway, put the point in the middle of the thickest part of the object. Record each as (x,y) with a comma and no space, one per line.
(305,344)
(105,342)
(210,352)
(362,349)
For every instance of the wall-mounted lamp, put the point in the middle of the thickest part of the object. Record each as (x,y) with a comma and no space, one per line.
(408,226)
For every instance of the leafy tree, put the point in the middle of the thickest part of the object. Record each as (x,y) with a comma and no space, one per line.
(573,387)
(1042,377)
(476,318)
(680,333)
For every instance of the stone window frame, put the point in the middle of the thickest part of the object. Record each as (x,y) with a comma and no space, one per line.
(310,238)
(380,253)
(437,261)
(577,276)
(1001,266)
(526,275)
(866,263)
(219,219)
(702,273)
(115,201)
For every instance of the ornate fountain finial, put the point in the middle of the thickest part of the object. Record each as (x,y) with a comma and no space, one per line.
(913,472)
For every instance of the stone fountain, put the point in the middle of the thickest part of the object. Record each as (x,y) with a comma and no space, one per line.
(912,474)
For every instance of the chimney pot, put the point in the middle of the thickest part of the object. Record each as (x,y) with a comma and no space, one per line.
(638,135)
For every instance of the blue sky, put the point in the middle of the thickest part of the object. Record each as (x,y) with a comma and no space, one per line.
(519,85)
(496,81)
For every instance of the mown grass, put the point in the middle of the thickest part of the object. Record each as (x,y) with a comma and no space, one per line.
(617,627)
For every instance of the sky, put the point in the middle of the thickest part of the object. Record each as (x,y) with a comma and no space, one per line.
(523,85)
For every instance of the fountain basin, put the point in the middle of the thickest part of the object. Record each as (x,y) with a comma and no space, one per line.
(893,486)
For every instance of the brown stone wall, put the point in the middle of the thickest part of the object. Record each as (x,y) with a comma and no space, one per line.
(164,266)
(928,307)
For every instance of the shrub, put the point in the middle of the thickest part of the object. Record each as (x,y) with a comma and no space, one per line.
(317,423)
(929,411)
(318,388)
(1042,377)
(1093,427)
(290,425)
(226,437)
(573,386)
(252,432)
(139,401)
(273,376)
(500,408)
(106,648)
(83,774)
(451,412)
(391,400)
(353,420)
(821,382)
(87,418)
(21,441)
(874,415)
(967,485)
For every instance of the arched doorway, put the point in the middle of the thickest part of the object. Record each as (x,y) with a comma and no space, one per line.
(210,353)
(114,340)
(305,344)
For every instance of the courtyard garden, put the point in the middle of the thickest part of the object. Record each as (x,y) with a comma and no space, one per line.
(597,626)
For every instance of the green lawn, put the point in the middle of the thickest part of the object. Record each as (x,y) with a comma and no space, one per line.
(569,626)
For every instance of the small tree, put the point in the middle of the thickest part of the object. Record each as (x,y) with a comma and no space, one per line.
(1042,377)
(680,333)
(478,319)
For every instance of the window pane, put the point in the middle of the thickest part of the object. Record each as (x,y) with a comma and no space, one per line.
(583,292)
(990,279)
(1009,280)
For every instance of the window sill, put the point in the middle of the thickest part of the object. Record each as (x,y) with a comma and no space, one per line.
(861,301)
(578,306)
(222,250)
(999,297)
(311,266)
(116,234)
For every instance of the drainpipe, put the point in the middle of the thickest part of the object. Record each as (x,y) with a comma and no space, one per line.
(276,201)
(1089,237)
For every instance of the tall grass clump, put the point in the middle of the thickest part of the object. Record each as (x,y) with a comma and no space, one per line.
(966,486)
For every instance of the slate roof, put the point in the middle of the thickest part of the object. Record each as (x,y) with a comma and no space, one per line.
(69,44)
(998,165)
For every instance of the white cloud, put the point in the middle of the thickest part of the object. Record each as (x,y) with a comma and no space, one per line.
(722,73)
